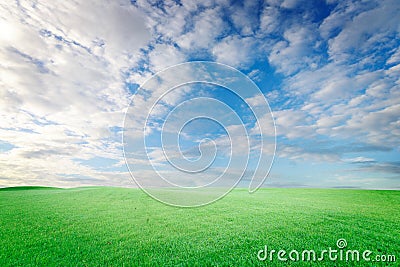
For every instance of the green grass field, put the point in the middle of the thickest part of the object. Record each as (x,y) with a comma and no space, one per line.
(103,226)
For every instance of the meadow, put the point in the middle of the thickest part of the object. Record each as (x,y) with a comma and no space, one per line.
(105,226)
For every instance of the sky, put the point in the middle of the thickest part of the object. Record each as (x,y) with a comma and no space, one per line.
(330,71)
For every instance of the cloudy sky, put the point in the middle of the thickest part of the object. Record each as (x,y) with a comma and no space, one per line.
(330,71)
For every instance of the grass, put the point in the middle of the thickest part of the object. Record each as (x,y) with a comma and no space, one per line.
(124,227)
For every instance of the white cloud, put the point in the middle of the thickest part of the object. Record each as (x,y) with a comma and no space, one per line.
(207,26)
(294,124)
(359,160)
(256,101)
(360,35)
(165,55)
(269,20)
(296,51)
(242,15)
(325,123)
(63,85)
(290,4)
(345,100)
(235,51)
(341,86)
(304,154)
(395,58)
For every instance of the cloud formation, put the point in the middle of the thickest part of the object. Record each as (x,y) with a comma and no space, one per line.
(62,87)
(330,70)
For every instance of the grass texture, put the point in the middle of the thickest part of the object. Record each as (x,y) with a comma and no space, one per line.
(104,226)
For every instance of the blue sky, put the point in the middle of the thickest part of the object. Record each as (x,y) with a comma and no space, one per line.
(330,71)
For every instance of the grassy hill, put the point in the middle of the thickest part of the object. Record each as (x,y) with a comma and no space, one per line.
(26,188)
(124,227)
